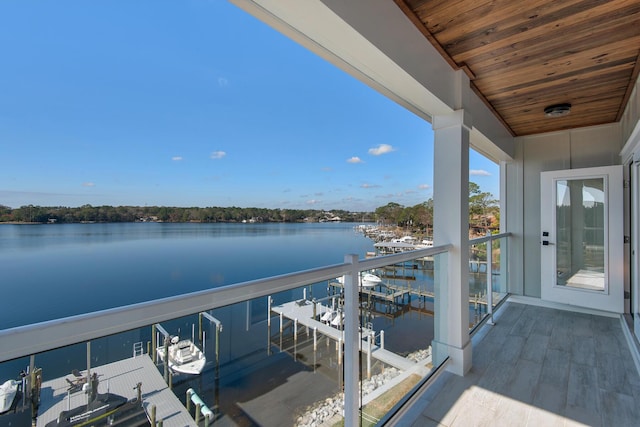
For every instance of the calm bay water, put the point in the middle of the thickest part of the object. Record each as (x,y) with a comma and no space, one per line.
(53,271)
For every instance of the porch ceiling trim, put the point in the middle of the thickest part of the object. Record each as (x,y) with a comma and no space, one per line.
(425,84)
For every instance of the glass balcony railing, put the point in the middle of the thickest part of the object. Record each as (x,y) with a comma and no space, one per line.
(488,275)
(342,343)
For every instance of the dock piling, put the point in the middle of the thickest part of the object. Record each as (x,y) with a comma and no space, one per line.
(315,339)
(369,356)
(188,405)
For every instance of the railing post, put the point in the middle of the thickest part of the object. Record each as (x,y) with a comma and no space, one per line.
(154,344)
(382,340)
(351,353)
(489,281)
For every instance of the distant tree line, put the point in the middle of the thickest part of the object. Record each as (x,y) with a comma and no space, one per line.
(89,213)
(484,213)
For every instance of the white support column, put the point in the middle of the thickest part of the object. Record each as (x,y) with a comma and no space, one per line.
(351,344)
(451,225)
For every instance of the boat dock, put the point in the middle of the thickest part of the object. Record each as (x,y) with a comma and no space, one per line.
(119,378)
(303,313)
(396,294)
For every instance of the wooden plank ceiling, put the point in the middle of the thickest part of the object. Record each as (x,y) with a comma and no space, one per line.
(523,56)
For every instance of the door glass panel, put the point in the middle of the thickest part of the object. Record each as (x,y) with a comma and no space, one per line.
(580,233)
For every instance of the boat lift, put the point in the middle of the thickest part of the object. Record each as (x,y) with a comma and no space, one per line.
(154,344)
(202,334)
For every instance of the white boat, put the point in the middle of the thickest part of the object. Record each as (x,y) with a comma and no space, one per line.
(8,392)
(367,280)
(426,243)
(338,319)
(328,316)
(184,356)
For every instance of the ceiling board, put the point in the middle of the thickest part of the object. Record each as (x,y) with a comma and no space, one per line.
(525,55)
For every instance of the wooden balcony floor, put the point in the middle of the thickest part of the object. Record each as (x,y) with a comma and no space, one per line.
(538,367)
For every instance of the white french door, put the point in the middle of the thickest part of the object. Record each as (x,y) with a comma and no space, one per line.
(582,260)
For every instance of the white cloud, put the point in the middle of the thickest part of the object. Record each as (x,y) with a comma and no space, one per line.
(424,186)
(479,172)
(88,184)
(369,186)
(355,159)
(313,202)
(381,149)
(176,158)
(218,154)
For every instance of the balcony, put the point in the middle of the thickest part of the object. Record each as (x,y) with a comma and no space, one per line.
(326,341)
(273,347)
(538,366)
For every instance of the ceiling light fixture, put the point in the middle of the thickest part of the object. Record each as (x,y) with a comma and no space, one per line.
(557,110)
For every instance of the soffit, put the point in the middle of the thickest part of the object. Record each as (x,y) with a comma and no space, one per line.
(523,56)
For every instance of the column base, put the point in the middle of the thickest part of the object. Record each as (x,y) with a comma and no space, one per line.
(460,359)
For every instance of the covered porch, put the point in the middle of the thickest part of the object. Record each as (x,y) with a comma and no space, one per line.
(538,87)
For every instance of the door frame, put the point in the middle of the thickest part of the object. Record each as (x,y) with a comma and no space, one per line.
(612,298)
(634,189)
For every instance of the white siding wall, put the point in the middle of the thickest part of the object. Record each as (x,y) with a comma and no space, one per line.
(579,148)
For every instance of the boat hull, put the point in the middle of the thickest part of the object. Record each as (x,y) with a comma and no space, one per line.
(8,391)
(94,413)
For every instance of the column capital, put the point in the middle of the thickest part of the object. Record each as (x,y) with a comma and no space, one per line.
(460,118)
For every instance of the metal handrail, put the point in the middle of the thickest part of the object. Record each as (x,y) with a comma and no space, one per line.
(488,237)
(31,339)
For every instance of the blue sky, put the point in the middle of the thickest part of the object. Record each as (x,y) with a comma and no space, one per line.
(194,103)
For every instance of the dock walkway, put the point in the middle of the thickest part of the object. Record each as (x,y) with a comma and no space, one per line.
(303,312)
(119,378)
